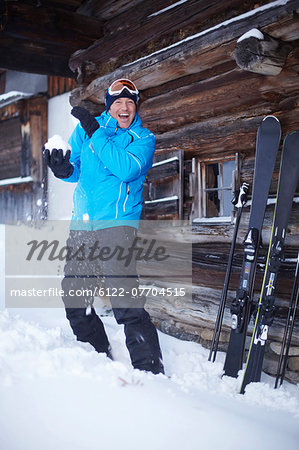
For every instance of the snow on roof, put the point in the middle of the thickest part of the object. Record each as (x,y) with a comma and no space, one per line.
(168,7)
(12,96)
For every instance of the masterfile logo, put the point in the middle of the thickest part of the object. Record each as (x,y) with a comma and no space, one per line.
(36,257)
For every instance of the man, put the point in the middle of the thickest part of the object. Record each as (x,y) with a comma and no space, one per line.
(109,160)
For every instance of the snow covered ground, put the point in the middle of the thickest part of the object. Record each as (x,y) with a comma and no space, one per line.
(56,393)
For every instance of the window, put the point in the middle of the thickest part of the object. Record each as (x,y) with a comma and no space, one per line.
(213,190)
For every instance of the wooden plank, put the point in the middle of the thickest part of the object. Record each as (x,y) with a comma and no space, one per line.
(18,202)
(41,40)
(163,188)
(48,24)
(169,169)
(59,85)
(25,149)
(2,82)
(209,266)
(35,147)
(10,148)
(18,54)
(68,5)
(164,210)
(107,9)
(226,134)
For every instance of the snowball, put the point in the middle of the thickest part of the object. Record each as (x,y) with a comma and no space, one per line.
(56,141)
(252,33)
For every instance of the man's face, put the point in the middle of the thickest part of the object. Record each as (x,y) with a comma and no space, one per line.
(123,110)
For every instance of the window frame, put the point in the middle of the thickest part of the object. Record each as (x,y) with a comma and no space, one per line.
(199,190)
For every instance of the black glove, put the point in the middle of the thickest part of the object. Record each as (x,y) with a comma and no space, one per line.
(58,163)
(88,123)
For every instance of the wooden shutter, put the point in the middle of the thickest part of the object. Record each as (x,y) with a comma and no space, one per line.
(163,188)
(10,148)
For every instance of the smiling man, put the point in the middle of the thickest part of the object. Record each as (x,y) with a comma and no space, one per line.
(123,110)
(109,160)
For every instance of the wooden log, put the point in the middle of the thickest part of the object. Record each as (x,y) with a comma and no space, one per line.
(261,53)
(210,260)
(193,320)
(108,9)
(162,77)
(187,56)
(204,233)
(160,68)
(226,134)
(222,94)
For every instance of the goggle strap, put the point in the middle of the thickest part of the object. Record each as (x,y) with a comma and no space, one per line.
(125,84)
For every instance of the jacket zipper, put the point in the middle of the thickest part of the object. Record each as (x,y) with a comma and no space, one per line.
(128,192)
(119,195)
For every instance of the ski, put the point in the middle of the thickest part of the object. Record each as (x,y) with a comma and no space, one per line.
(288,176)
(268,139)
(288,330)
(239,201)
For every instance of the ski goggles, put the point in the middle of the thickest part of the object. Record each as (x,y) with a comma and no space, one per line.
(118,86)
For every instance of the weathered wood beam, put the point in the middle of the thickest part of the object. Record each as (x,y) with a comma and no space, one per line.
(128,37)
(41,39)
(221,95)
(106,9)
(48,24)
(158,69)
(261,53)
(209,273)
(26,56)
(147,10)
(194,55)
(224,135)
(66,5)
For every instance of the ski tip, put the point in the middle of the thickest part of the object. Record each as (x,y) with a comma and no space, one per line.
(290,133)
(268,117)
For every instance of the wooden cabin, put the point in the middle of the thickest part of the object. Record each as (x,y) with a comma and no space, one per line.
(24,102)
(204,93)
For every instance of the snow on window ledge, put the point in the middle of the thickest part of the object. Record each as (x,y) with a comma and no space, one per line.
(213,220)
(16,180)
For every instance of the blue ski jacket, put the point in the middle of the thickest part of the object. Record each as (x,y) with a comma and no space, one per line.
(110,169)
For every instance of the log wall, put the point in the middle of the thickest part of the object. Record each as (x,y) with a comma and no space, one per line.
(197,100)
(23,200)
